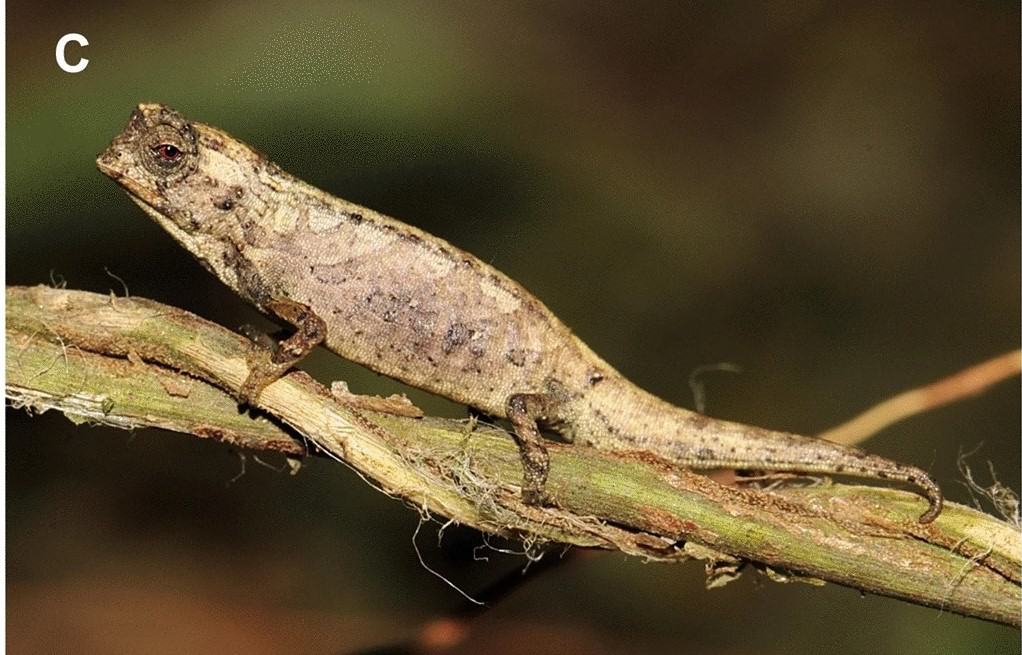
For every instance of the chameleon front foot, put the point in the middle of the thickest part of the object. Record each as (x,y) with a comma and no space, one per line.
(268,365)
(262,372)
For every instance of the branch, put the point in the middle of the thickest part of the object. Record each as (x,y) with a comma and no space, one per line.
(133,362)
(970,382)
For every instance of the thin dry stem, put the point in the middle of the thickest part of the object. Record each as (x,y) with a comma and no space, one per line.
(970,382)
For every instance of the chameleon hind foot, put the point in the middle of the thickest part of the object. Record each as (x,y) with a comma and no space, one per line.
(524,410)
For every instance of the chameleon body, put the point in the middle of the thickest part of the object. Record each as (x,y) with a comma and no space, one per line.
(413,307)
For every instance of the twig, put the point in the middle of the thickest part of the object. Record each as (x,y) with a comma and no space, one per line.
(970,382)
(864,537)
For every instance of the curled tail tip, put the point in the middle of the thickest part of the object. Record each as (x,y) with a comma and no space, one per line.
(933,511)
(936,497)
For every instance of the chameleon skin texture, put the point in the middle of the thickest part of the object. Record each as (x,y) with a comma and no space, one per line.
(413,307)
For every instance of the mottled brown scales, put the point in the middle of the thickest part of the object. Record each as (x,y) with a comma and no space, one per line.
(411,306)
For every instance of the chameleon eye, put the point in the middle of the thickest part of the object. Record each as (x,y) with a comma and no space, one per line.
(168,152)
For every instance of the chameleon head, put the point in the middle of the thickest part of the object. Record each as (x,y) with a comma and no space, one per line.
(190,177)
(151,158)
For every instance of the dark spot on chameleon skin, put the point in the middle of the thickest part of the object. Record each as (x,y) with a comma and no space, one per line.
(224,204)
(611,429)
(882,475)
(356,218)
(340,280)
(457,334)
(215,144)
(189,133)
(516,356)
(594,377)
(166,115)
(555,387)
(838,468)
(250,283)
(531,303)
(706,453)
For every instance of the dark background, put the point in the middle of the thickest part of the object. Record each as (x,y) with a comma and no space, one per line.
(826,194)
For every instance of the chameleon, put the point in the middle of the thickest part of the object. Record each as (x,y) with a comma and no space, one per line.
(411,306)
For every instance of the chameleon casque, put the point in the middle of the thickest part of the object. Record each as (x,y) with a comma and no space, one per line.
(411,306)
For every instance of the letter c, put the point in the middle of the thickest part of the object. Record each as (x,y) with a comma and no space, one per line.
(62,45)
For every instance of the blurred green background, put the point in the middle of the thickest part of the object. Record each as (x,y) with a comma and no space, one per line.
(826,194)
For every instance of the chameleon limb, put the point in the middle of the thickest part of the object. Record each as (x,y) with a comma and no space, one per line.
(524,410)
(266,365)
